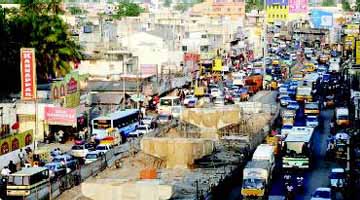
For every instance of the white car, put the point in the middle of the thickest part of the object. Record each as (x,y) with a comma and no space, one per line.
(312,121)
(190,99)
(220,101)
(102,148)
(148,120)
(322,193)
(79,151)
(141,130)
(92,157)
(215,92)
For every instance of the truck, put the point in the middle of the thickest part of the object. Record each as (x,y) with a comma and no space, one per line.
(288,117)
(298,146)
(304,93)
(256,178)
(342,116)
(254,83)
(265,152)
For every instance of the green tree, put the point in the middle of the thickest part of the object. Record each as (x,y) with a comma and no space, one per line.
(346,5)
(357,6)
(328,3)
(128,9)
(254,5)
(35,25)
(167,3)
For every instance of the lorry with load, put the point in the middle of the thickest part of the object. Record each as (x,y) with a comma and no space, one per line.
(303,93)
(254,83)
(256,179)
(342,116)
(288,117)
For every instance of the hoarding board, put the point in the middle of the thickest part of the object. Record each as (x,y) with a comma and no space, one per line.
(60,116)
(67,89)
(28,73)
(321,19)
(298,6)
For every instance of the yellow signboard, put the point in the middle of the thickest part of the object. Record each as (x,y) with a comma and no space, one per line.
(15,141)
(357,52)
(217,65)
(276,13)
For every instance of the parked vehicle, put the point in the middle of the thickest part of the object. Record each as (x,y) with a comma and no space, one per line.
(79,151)
(56,169)
(92,157)
(29,183)
(322,193)
(170,105)
(103,148)
(298,147)
(312,121)
(190,99)
(254,83)
(164,119)
(142,130)
(285,100)
(67,160)
(125,121)
(342,116)
(256,178)
(337,178)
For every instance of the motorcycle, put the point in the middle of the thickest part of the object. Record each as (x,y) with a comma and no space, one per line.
(300,183)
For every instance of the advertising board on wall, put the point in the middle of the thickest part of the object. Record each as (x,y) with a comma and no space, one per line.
(28,73)
(298,6)
(357,52)
(321,19)
(60,116)
(67,89)
(15,141)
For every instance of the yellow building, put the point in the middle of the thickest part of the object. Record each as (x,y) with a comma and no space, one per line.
(276,13)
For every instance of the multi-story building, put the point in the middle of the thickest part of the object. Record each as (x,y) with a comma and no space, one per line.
(218,8)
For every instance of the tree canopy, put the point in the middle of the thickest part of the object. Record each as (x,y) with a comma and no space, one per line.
(254,5)
(128,9)
(35,25)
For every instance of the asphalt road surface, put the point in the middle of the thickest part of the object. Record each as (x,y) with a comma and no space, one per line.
(318,175)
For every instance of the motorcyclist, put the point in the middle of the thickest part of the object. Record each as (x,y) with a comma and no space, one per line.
(300,182)
(289,192)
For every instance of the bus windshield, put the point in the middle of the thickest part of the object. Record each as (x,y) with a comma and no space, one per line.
(102,124)
(296,149)
(253,183)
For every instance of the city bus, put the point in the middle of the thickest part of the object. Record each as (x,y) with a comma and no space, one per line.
(29,183)
(125,121)
(298,146)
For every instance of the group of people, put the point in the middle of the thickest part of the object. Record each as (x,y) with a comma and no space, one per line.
(12,167)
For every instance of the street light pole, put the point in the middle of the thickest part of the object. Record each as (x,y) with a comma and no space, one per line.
(264,40)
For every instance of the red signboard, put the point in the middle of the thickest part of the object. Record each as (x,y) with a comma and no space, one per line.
(60,116)
(28,73)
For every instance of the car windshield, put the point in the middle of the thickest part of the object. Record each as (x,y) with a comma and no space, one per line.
(51,167)
(164,117)
(88,146)
(101,148)
(253,183)
(91,156)
(141,128)
(58,159)
(188,97)
(312,119)
(165,102)
(77,147)
(337,175)
(321,194)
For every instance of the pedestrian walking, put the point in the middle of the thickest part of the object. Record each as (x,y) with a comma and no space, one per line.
(12,167)
(21,156)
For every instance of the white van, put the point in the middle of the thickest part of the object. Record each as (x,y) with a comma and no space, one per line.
(265,152)
(170,105)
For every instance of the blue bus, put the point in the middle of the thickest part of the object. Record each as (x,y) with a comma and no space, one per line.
(125,121)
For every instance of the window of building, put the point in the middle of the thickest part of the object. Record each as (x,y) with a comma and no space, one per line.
(184,48)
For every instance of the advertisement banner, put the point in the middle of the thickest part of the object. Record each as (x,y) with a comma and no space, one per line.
(357,52)
(67,89)
(352,29)
(15,141)
(298,6)
(148,69)
(60,116)
(191,61)
(28,73)
(217,65)
(321,19)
